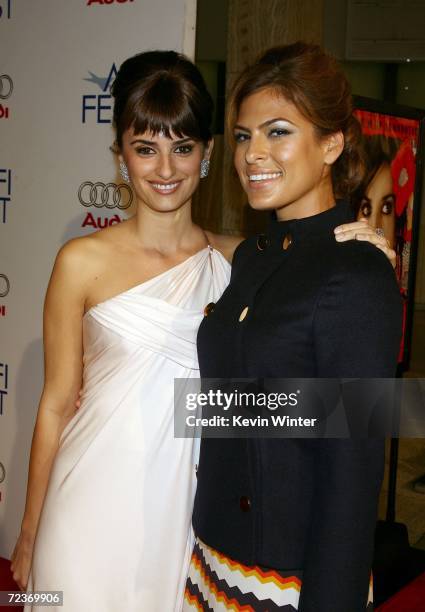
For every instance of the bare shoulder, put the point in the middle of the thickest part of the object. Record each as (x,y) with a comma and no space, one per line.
(76,254)
(88,253)
(80,259)
(226,244)
(71,272)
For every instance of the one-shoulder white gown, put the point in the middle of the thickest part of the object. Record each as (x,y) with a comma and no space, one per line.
(115,531)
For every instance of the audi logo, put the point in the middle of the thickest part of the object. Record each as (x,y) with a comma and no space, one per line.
(2,473)
(4,285)
(6,87)
(107,195)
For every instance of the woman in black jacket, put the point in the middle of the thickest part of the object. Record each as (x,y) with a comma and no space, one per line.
(288,524)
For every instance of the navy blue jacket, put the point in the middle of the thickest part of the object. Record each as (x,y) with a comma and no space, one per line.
(316,308)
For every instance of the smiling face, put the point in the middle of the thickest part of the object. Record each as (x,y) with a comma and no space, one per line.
(164,172)
(281,162)
(378,203)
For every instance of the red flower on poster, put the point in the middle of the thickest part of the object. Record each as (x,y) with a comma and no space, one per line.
(403,170)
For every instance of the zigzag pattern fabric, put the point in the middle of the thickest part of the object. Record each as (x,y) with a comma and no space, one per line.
(217,583)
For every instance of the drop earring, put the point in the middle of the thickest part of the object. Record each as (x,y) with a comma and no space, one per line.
(205,168)
(124,172)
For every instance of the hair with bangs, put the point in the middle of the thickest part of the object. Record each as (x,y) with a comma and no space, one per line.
(311,79)
(161,91)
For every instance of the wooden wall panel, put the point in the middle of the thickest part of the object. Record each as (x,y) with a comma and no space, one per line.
(207,204)
(253,26)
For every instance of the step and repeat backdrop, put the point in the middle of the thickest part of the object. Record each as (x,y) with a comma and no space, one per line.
(58,177)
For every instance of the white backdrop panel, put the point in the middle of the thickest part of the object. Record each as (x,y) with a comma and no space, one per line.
(55,133)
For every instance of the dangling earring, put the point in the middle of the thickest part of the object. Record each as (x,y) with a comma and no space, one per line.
(124,172)
(205,168)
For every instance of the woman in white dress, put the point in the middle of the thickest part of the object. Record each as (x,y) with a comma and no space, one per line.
(110,491)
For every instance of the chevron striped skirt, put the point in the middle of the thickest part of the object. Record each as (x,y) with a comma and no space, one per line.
(216,583)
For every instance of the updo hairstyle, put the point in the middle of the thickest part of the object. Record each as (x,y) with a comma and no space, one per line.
(308,77)
(161,91)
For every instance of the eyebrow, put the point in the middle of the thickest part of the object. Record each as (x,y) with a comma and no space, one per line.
(266,123)
(151,143)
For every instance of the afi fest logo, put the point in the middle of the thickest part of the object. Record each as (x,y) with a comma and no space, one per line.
(4,384)
(6,88)
(4,291)
(5,9)
(89,2)
(99,106)
(5,192)
(103,196)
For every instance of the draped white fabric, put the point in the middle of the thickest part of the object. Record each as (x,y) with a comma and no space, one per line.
(115,532)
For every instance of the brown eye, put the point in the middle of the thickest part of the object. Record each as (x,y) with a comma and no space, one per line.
(144,151)
(365,209)
(387,206)
(240,137)
(277,132)
(184,149)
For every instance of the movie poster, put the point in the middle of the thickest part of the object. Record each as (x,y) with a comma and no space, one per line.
(389,195)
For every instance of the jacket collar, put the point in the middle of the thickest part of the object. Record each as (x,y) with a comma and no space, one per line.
(322,223)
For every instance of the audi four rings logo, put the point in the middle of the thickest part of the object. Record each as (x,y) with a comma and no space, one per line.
(4,285)
(2,473)
(6,87)
(107,195)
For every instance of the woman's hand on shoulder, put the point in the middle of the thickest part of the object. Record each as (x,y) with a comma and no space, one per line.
(225,244)
(361,230)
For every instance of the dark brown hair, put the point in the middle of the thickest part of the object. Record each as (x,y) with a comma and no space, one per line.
(378,150)
(161,91)
(312,80)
